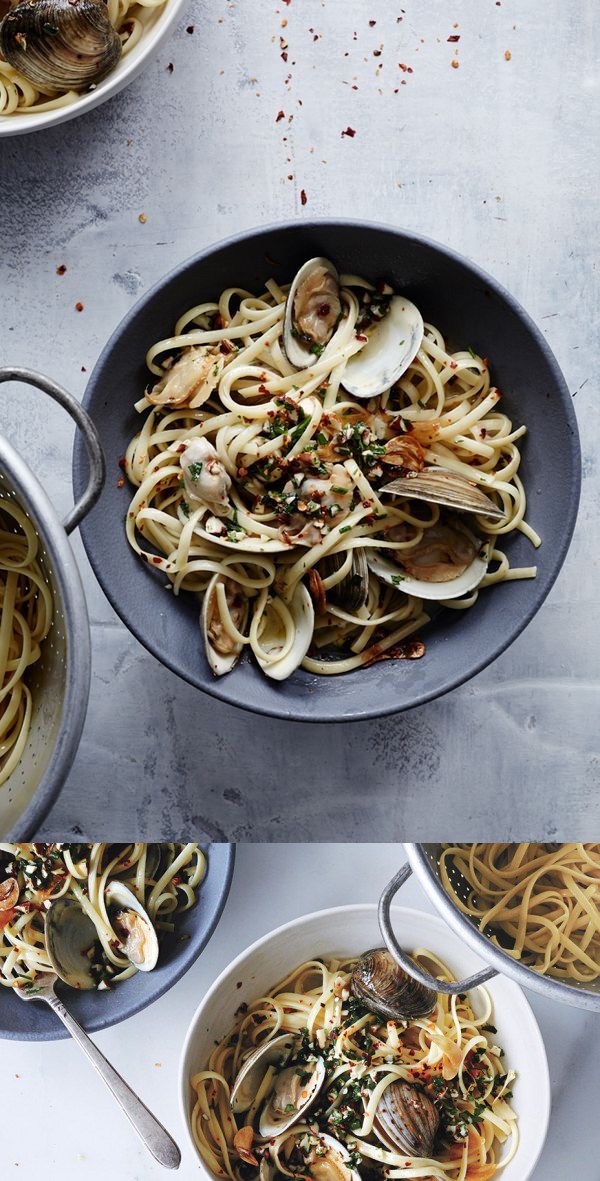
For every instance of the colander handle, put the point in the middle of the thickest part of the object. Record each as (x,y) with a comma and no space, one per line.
(87,428)
(385,926)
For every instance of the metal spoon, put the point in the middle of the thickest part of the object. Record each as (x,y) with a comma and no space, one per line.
(155,1137)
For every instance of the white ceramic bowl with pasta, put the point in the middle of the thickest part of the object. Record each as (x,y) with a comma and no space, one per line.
(158,22)
(348,931)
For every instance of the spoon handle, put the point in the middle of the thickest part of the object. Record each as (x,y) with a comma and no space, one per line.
(155,1137)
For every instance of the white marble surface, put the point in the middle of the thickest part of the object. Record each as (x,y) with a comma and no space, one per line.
(498,158)
(77,1131)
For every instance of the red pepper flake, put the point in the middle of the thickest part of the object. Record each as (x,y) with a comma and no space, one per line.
(454,63)
(262,389)
(78,307)
(280,116)
(371,23)
(284,58)
(350,132)
(123,463)
(361,336)
(190,29)
(120,482)
(61,270)
(376,53)
(303,197)
(170,68)
(507,55)
(142,217)
(454,37)
(157,561)
(83,369)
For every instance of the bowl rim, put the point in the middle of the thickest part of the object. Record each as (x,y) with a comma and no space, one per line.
(21,124)
(33,497)
(543,1089)
(223,688)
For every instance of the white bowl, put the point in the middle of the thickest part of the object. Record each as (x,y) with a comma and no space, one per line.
(350,930)
(158,26)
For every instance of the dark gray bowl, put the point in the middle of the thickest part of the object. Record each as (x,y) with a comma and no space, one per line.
(471,309)
(29,1022)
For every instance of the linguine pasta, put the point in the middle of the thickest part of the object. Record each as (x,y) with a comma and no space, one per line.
(164,878)
(451,1057)
(25,618)
(260,486)
(539,903)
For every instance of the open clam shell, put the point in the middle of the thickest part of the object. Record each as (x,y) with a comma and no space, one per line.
(406,1120)
(136,933)
(312,311)
(394,574)
(393,343)
(70,939)
(437,485)
(252,1073)
(222,649)
(60,44)
(292,1094)
(352,591)
(303,614)
(387,990)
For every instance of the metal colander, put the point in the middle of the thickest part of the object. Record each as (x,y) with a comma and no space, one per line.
(424,861)
(60,680)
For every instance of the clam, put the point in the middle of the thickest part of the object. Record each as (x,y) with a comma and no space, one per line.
(387,990)
(60,45)
(222,649)
(352,591)
(9,893)
(448,562)
(251,1074)
(436,485)
(306,1154)
(393,343)
(137,936)
(312,312)
(303,614)
(294,1091)
(71,940)
(406,1120)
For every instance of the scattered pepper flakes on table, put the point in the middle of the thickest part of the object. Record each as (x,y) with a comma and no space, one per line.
(78,307)
(303,197)
(170,68)
(507,55)
(190,29)
(142,217)
(350,132)
(454,63)
(280,116)
(454,37)
(61,270)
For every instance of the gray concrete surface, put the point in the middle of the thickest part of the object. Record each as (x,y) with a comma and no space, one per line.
(498,158)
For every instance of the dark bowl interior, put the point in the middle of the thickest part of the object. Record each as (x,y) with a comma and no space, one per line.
(470,308)
(30,1022)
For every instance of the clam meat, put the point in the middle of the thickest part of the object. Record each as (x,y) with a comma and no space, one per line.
(448,561)
(312,312)
(294,1091)
(406,1120)
(307,1154)
(387,990)
(60,45)
(137,936)
(223,649)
